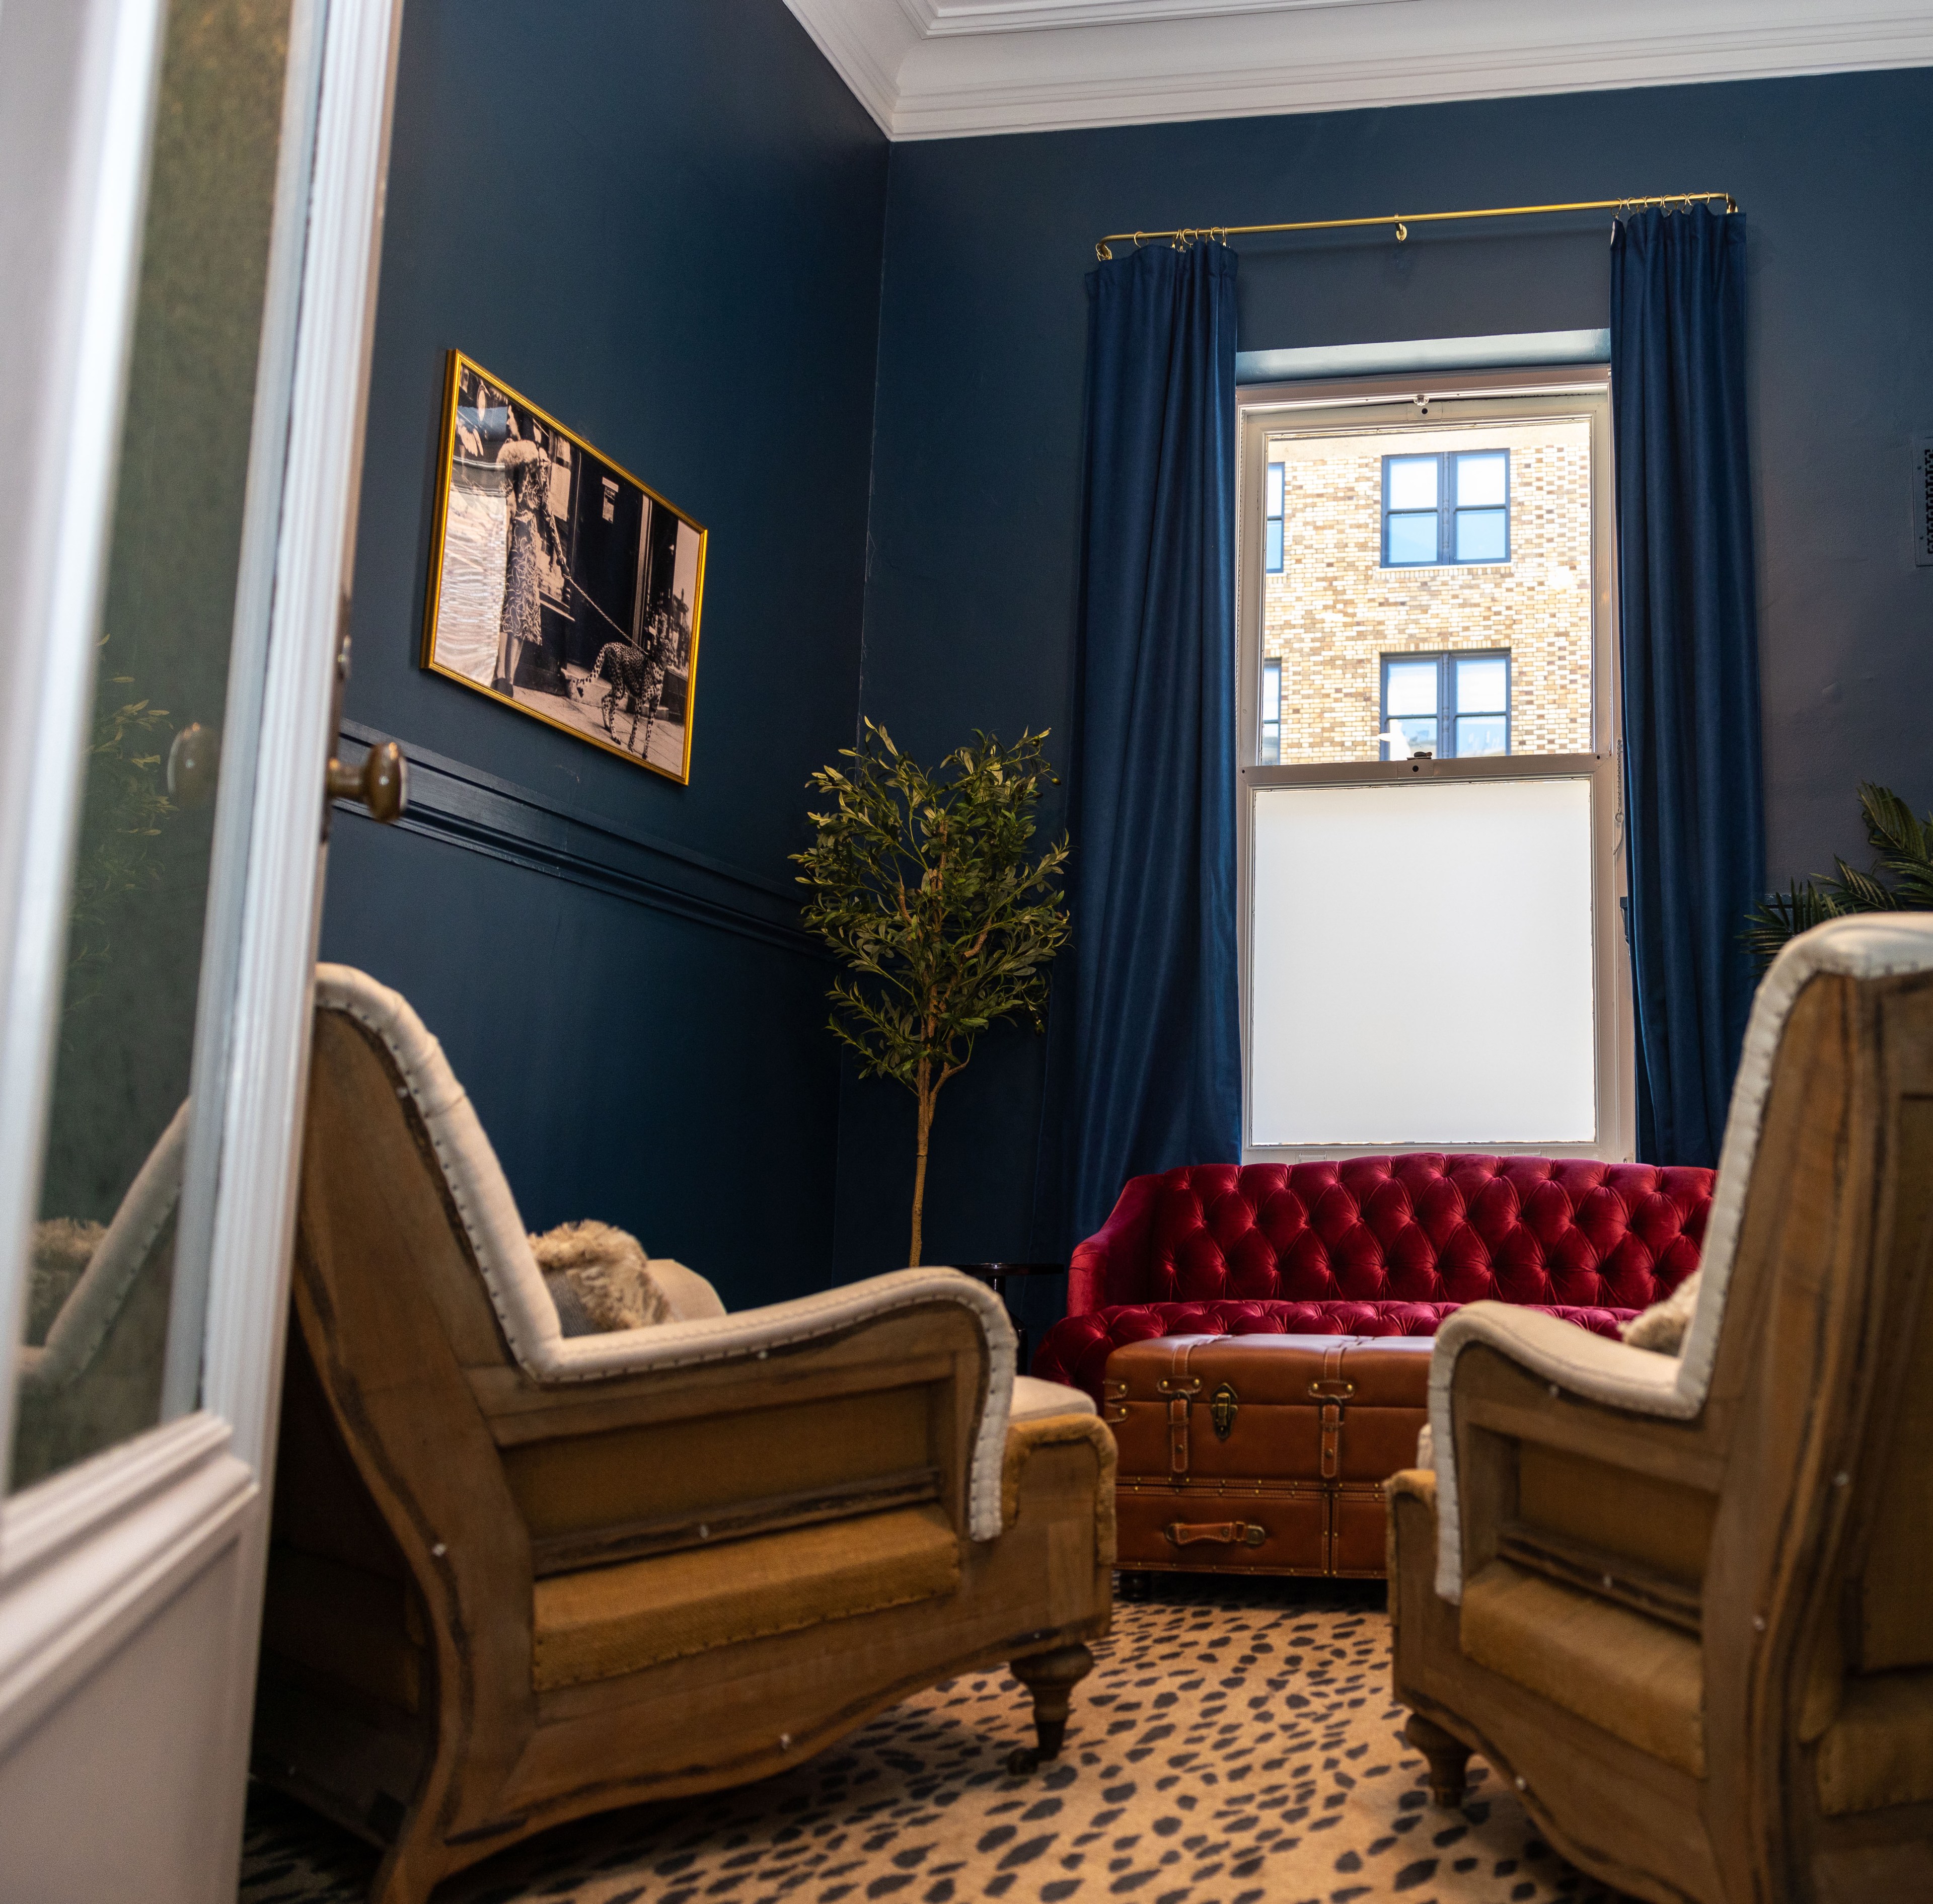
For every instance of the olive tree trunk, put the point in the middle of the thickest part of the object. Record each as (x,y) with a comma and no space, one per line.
(927,1093)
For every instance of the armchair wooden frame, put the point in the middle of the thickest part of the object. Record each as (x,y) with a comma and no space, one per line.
(1681,1603)
(502,1596)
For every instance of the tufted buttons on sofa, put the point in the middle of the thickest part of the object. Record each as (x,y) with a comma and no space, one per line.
(1400,1241)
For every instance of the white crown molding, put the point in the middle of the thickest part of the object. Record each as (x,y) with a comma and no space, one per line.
(939,69)
(940,18)
(866,44)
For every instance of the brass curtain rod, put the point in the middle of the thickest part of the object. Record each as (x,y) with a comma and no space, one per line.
(1189,235)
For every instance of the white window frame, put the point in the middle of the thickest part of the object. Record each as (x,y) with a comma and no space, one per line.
(1405,403)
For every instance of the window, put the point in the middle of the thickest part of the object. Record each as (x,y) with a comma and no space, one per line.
(1451,706)
(1452,507)
(1271,746)
(1432,955)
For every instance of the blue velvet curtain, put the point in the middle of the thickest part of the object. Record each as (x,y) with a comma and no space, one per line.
(1148,1040)
(1694,804)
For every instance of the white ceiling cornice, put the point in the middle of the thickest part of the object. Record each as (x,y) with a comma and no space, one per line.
(942,69)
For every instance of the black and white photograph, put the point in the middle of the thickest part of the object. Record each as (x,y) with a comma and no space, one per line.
(558,581)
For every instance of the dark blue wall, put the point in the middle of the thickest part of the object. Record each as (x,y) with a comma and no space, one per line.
(665,223)
(662,222)
(969,604)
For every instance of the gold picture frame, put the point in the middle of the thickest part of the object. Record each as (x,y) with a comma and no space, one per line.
(560,585)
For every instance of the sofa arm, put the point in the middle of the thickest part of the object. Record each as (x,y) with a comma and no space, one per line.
(1108,1267)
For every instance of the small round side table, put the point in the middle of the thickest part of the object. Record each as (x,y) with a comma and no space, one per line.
(995,1275)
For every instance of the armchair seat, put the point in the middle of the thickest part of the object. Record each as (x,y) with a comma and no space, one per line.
(599,1622)
(1634,1676)
(1878,1753)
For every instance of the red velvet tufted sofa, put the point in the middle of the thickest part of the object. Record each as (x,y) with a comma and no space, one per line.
(1373,1246)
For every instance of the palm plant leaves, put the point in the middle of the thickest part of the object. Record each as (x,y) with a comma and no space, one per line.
(1901,878)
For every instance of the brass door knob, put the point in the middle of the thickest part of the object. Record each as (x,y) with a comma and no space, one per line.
(191,765)
(381,783)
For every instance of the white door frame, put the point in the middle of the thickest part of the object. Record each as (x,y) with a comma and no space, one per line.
(100,1566)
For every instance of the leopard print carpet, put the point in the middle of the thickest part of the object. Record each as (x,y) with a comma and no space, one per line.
(1237,1743)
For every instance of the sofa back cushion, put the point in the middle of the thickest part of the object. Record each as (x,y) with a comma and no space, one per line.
(1426,1226)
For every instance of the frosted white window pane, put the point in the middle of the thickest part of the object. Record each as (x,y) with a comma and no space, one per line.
(1412,482)
(1480,479)
(1482,686)
(1421,964)
(1412,687)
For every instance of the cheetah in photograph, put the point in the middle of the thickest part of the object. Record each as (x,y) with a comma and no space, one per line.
(632,675)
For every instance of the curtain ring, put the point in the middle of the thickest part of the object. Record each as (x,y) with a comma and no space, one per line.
(1103,251)
(1402,232)
(1137,241)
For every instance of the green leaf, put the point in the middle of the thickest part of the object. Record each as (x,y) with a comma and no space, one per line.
(1901,877)
(925,886)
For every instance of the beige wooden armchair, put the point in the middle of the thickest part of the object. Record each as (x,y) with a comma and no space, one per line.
(1685,1603)
(516,1576)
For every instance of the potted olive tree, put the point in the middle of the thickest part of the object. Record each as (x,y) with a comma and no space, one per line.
(925,887)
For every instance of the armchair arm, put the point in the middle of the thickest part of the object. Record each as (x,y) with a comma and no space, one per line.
(95,1302)
(550,1357)
(1572,1361)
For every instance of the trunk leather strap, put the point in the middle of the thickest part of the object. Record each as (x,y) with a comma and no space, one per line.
(1225,1533)
(1332,1390)
(1178,1435)
(1180,1388)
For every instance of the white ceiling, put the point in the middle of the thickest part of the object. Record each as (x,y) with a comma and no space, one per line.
(939,69)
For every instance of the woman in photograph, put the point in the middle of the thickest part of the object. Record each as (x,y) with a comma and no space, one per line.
(527,468)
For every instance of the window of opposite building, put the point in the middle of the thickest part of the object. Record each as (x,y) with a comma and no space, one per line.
(1449,707)
(1271,713)
(1450,507)
(1429,806)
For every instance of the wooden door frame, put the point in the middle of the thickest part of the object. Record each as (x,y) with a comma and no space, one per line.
(93,1558)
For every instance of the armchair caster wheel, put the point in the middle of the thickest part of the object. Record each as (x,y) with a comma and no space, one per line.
(1051,1678)
(1023,1761)
(1449,1759)
(1131,1586)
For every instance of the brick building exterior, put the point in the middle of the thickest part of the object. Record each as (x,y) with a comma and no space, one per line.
(1334,612)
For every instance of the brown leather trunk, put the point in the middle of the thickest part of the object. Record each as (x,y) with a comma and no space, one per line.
(1262,1453)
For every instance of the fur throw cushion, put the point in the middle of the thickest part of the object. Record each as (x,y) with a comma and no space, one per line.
(1662,1327)
(62,1248)
(599,1278)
